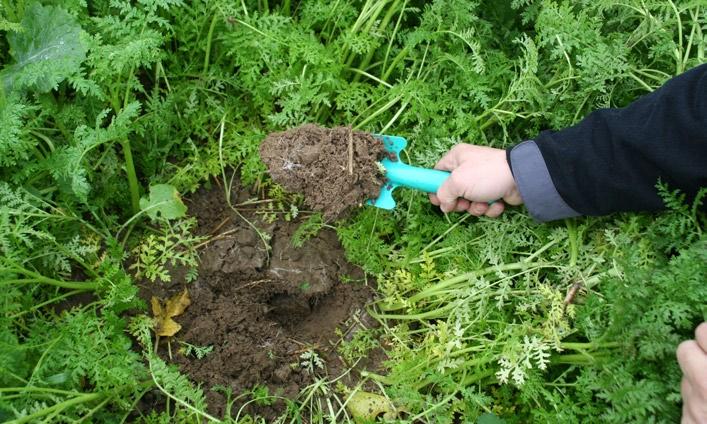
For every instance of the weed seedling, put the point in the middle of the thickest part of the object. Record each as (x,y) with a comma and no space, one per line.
(310,361)
(199,352)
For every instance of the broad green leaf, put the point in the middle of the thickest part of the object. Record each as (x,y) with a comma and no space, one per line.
(164,201)
(46,51)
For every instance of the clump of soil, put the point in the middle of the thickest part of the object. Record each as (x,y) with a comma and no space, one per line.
(335,169)
(261,310)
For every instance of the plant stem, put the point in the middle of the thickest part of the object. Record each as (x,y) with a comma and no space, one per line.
(377,377)
(176,399)
(384,23)
(588,345)
(48,302)
(578,358)
(209,37)
(132,176)
(133,185)
(80,285)
(88,397)
(572,236)
(468,275)
(40,390)
(435,313)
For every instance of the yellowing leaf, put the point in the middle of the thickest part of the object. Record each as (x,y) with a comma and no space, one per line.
(156,307)
(167,327)
(175,305)
(364,406)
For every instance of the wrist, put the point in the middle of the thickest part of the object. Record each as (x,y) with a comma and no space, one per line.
(511,194)
(534,183)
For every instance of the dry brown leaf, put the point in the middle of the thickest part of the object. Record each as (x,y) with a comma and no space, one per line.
(167,327)
(175,305)
(156,307)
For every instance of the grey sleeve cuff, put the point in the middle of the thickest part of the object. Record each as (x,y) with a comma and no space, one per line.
(535,184)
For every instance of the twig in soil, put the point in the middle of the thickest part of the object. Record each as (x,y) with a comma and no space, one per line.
(351,152)
(214,238)
(218,227)
(297,341)
(254,202)
(254,283)
(305,347)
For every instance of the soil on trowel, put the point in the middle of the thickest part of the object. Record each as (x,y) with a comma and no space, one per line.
(260,310)
(335,169)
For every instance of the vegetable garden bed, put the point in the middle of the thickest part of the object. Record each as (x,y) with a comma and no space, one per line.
(153,270)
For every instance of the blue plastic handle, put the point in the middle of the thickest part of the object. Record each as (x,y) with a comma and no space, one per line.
(402,174)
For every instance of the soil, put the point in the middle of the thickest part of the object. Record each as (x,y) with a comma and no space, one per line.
(259,309)
(335,169)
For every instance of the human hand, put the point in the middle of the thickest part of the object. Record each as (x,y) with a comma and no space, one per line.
(479,175)
(692,357)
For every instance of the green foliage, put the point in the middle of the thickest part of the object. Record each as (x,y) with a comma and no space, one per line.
(307,230)
(360,345)
(172,246)
(505,320)
(261,395)
(164,202)
(47,50)
(199,352)
(14,144)
(476,321)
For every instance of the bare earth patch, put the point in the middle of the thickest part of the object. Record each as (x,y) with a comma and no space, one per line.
(259,310)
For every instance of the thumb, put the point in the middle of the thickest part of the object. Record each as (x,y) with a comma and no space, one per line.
(449,193)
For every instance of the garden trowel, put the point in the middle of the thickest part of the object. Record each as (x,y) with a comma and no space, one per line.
(400,174)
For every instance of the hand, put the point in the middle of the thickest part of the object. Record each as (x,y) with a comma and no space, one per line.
(479,175)
(692,357)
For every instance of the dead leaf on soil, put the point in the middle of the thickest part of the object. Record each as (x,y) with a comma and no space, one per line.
(365,406)
(175,305)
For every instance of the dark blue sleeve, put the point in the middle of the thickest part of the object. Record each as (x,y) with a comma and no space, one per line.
(612,160)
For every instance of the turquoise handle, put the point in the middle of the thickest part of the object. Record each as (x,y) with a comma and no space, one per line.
(402,174)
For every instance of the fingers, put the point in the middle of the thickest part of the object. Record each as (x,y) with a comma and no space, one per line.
(478,208)
(449,192)
(701,336)
(462,205)
(474,208)
(451,159)
(492,210)
(496,209)
(687,393)
(692,360)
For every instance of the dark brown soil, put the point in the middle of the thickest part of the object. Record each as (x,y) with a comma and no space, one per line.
(261,310)
(335,169)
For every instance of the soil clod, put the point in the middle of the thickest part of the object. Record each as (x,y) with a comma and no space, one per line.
(335,169)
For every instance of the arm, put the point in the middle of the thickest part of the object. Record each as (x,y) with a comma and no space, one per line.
(611,160)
